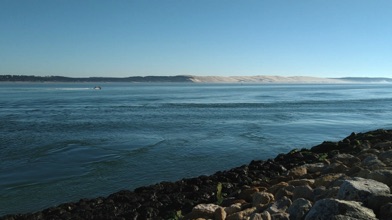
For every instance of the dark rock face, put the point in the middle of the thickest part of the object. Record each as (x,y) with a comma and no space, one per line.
(165,199)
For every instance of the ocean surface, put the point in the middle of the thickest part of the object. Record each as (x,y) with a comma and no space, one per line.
(63,142)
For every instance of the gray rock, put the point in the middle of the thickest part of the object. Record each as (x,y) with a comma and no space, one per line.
(384,176)
(244,214)
(262,198)
(372,161)
(284,192)
(327,179)
(305,192)
(301,182)
(386,157)
(298,171)
(346,159)
(202,211)
(359,189)
(260,216)
(246,194)
(220,214)
(386,212)
(335,168)
(319,192)
(233,208)
(387,145)
(255,216)
(299,209)
(275,188)
(353,171)
(377,201)
(334,209)
(327,193)
(266,215)
(280,216)
(280,205)
(315,167)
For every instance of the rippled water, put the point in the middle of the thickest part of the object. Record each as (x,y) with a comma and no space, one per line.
(63,142)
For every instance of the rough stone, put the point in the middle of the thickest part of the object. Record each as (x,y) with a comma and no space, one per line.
(386,212)
(233,209)
(346,159)
(284,192)
(260,216)
(273,189)
(220,214)
(334,209)
(375,202)
(262,198)
(305,192)
(246,194)
(364,173)
(386,157)
(202,211)
(384,176)
(331,192)
(242,214)
(365,155)
(353,171)
(315,167)
(327,179)
(372,162)
(280,205)
(210,208)
(280,216)
(336,168)
(266,215)
(299,209)
(384,145)
(301,182)
(298,171)
(318,192)
(359,189)
(255,216)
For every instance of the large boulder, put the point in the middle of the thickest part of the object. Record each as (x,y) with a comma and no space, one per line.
(299,209)
(377,201)
(360,189)
(384,176)
(334,209)
(262,198)
(202,211)
(305,192)
(386,157)
(279,206)
(386,211)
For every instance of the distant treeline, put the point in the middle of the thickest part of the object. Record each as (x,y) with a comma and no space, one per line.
(366,79)
(23,78)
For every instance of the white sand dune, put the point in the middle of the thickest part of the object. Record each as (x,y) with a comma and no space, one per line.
(263,79)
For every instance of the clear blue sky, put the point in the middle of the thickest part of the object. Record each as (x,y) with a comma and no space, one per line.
(80,38)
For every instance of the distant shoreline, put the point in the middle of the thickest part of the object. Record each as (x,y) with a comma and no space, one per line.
(196,79)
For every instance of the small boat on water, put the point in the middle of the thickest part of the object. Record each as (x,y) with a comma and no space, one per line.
(97,88)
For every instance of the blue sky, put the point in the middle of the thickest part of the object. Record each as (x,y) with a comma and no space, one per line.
(81,38)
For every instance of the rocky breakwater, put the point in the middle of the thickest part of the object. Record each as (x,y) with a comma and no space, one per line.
(349,179)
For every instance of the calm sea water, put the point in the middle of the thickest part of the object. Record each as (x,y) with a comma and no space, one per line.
(63,142)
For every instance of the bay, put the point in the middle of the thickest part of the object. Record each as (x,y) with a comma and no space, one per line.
(63,142)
